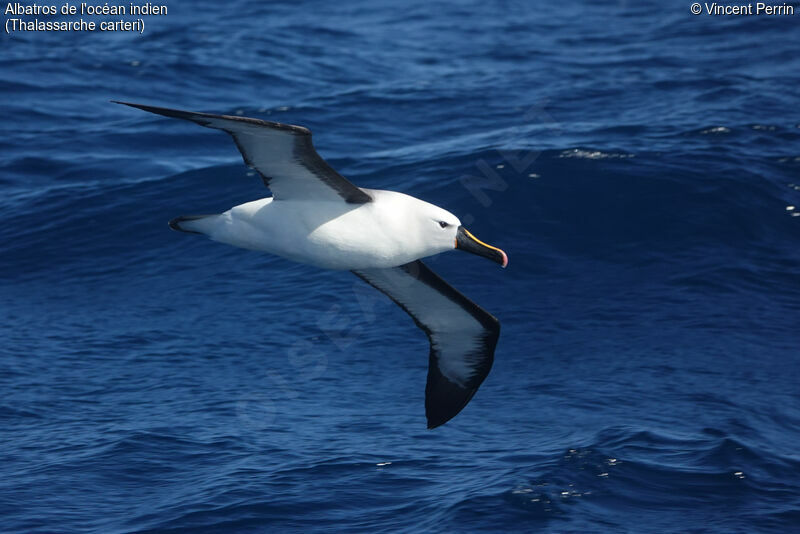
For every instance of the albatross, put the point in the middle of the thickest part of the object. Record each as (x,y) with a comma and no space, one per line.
(316,216)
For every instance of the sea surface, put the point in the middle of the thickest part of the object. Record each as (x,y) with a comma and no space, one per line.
(639,164)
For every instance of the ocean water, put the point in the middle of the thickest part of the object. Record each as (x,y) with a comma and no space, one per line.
(638,164)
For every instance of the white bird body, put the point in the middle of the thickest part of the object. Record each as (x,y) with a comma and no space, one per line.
(334,235)
(318,217)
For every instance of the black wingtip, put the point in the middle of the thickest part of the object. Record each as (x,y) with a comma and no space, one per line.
(126,103)
(436,424)
(152,109)
(199,118)
(438,413)
(444,399)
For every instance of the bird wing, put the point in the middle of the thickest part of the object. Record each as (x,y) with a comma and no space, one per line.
(462,335)
(282,154)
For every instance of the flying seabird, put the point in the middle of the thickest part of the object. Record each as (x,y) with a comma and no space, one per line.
(316,216)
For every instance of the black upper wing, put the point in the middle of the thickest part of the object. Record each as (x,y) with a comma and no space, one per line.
(283,154)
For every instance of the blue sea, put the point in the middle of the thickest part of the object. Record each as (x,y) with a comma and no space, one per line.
(639,164)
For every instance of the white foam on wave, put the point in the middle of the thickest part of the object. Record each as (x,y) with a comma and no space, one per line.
(592,154)
(716,130)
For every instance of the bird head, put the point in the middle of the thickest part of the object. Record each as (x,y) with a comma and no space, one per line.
(445,231)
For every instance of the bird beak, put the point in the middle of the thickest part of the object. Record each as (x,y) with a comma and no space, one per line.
(468,242)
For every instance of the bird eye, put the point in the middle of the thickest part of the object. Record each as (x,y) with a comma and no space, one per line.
(443,224)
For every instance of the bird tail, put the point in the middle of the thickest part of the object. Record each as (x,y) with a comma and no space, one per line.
(192,224)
